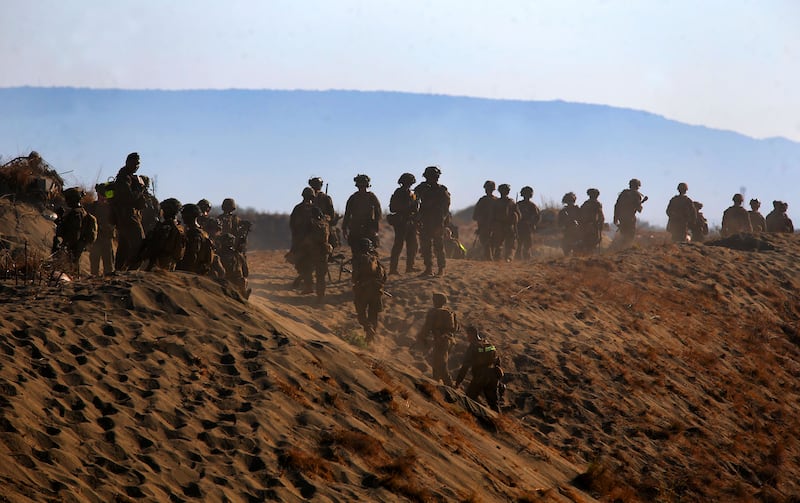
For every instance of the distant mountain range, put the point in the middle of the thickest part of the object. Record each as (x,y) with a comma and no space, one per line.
(261,146)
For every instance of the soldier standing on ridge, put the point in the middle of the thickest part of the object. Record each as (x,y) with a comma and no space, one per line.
(629,203)
(434,211)
(325,203)
(482,214)
(199,254)
(403,218)
(735,219)
(103,247)
(206,222)
(569,222)
(700,227)
(528,220)
(165,245)
(757,220)
(681,213)
(76,230)
(777,219)
(361,215)
(504,220)
(591,222)
(437,334)
(127,204)
(300,227)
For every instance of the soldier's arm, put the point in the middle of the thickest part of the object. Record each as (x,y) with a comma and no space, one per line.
(465,366)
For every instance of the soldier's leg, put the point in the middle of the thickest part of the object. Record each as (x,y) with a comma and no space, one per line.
(397,247)
(94,259)
(438,243)
(361,307)
(107,255)
(411,246)
(510,244)
(427,251)
(321,271)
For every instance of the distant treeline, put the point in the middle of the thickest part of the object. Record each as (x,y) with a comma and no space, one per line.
(270,231)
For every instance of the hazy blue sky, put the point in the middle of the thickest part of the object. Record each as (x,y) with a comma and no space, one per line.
(730,64)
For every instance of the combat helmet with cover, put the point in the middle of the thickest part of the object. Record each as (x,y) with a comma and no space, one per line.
(204,205)
(361,180)
(190,212)
(432,172)
(73,196)
(228,205)
(634,184)
(526,191)
(489,184)
(569,198)
(407,179)
(170,207)
(315,183)
(504,189)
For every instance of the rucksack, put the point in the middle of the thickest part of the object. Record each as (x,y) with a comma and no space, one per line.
(368,271)
(78,228)
(444,321)
(486,353)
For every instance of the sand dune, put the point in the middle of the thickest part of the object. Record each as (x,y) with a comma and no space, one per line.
(658,373)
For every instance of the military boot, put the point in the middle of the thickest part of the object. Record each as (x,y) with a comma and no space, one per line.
(428,271)
(440,272)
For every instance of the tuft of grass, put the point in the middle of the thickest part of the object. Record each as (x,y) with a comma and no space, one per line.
(352,441)
(399,478)
(292,391)
(299,461)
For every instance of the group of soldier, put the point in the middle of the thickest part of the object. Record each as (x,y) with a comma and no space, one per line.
(198,243)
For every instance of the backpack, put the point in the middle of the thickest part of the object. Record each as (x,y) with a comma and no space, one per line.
(368,271)
(444,321)
(88,228)
(199,254)
(78,228)
(485,354)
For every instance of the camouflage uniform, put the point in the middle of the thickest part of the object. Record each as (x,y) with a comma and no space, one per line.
(199,255)
(103,247)
(529,216)
(127,204)
(165,245)
(682,215)
(591,222)
(481,358)
(234,262)
(76,230)
(434,211)
(569,222)
(629,203)
(757,221)
(777,219)
(437,335)
(482,214)
(700,227)
(735,219)
(504,220)
(361,215)
(369,277)
(310,247)
(404,207)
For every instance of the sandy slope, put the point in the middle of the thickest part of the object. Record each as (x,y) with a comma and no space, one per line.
(669,371)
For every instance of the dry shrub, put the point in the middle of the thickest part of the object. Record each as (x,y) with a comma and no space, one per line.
(352,441)
(399,478)
(424,423)
(602,478)
(292,391)
(430,390)
(302,462)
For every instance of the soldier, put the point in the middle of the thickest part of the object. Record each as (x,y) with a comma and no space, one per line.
(777,219)
(569,222)
(361,215)
(150,209)
(232,224)
(165,245)
(629,203)
(314,251)
(127,204)
(757,220)
(434,212)
(103,247)
(681,213)
(207,223)
(437,335)
(236,270)
(700,227)
(403,218)
(481,357)
(199,255)
(591,222)
(529,216)
(482,214)
(369,277)
(76,230)
(504,220)
(325,203)
(299,225)
(735,219)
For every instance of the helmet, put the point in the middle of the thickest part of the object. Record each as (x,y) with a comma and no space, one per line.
(488,184)
(365,245)
(204,205)
(226,240)
(170,207)
(315,182)
(407,179)
(432,172)
(682,187)
(307,194)
(361,180)
(738,198)
(569,197)
(504,188)
(755,203)
(698,205)
(190,212)
(777,204)
(73,196)
(228,204)
(526,191)
(439,299)
(592,193)
(132,159)
(634,183)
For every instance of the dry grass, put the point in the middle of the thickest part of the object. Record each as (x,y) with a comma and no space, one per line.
(352,441)
(299,461)
(399,477)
